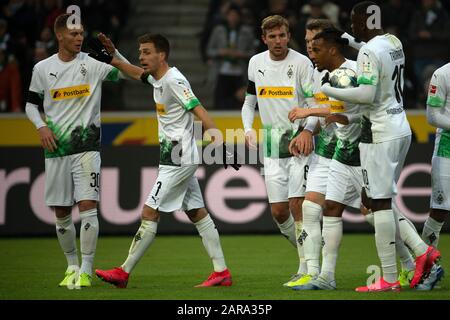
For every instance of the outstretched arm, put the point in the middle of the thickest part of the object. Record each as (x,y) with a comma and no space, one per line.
(102,54)
(130,70)
(301,113)
(363,94)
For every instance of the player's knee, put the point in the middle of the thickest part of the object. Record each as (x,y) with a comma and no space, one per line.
(332,209)
(381,204)
(86,205)
(439,215)
(196,215)
(316,198)
(365,199)
(280,212)
(62,212)
(149,214)
(295,206)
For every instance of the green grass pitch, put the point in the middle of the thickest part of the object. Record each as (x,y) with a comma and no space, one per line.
(260,264)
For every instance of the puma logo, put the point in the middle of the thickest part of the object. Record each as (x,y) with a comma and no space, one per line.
(54,75)
(262,72)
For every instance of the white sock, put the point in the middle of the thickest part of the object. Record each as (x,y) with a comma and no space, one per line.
(431,231)
(287,229)
(141,241)
(385,241)
(403,253)
(311,236)
(332,236)
(408,233)
(302,268)
(406,259)
(211,241)
(88,239)
(65,230)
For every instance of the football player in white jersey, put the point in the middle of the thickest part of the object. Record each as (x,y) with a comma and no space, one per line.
(385,140)
(176,186)
(310,237)
(318,174)
(279,80)
(438,115)
(68,84)
(343,178)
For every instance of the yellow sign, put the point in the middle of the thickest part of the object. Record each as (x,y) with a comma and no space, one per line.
(70,92)
(276,92)
(141,128)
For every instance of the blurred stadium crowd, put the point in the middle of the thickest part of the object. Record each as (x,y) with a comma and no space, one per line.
(230,36)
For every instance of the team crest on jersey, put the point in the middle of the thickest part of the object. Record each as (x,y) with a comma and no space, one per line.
(290,73)
(83,70)
(83,90)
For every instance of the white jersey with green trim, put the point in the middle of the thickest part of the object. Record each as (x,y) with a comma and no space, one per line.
(381,63)
(326,139)
(174,99)
(439,97)
(71,93)
(280,86)
(347,151)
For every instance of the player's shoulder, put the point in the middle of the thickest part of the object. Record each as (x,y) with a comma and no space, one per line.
(84,57)
(175,77)
(294,54)
(44,64)
(259,57)
(443,71)
(297,58)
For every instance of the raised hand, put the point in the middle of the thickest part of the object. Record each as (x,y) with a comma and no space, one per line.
(99,51)
(107,43)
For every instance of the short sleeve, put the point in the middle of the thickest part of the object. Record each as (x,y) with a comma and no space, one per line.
(183,94)
(367,68)
(251,70)
(107,71)
(36,84)
(306,78)
(437,91)
(104,71)
(113,75)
